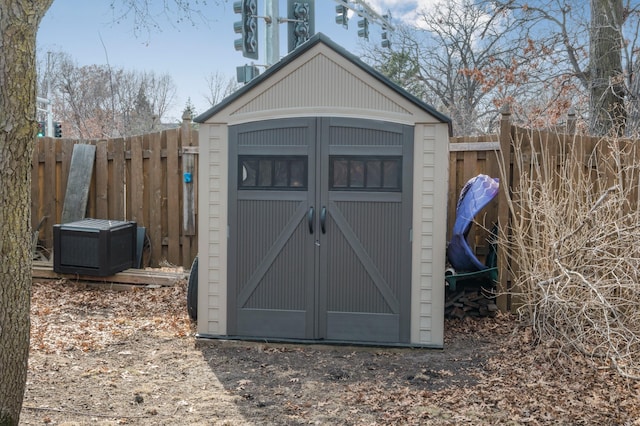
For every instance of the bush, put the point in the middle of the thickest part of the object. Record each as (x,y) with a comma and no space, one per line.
(574,245)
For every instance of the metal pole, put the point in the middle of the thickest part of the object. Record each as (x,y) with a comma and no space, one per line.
(49,106)
(50,120)
(272,32)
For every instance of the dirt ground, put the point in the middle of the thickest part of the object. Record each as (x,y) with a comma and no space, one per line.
(100,356)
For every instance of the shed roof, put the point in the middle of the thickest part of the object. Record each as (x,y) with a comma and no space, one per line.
(313,41)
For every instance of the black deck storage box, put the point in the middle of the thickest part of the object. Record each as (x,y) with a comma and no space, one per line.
(94,247)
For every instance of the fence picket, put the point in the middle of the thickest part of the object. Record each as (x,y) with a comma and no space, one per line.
(173,191)
(102,180)
(156,205)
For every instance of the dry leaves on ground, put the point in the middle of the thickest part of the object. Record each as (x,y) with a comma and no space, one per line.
(101,356)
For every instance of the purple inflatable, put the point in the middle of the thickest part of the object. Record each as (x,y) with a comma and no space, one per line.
(475,194)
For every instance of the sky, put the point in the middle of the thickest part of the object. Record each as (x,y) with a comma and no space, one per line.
(92,33)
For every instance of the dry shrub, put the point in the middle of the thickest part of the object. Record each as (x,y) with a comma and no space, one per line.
(574,246)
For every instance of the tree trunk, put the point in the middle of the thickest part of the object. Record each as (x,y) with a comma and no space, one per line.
(19,20)
(608,114)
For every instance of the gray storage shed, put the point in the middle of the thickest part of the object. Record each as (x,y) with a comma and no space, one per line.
(322,206)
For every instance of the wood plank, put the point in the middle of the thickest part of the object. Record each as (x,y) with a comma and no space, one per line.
(80,173)
(66,153)
(135,185)
(91,198)
(116,188)
(165,197)
(475,146)
(173,201)
(146,207)
(127,178)
(193,149)
(452,196)
(49,190)
(154,227)
(44,270)
(189,197)
(36,185)
(102,180)
(502,299)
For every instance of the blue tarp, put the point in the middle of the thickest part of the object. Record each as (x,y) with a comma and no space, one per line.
(475,195)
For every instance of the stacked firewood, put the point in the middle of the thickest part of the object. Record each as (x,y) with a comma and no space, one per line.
(473,302)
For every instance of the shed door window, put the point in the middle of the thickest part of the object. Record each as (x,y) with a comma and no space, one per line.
(357,173)
(272,172)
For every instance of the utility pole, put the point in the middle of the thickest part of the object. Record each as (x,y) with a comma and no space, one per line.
(48,123)
(272,32)
(49,109)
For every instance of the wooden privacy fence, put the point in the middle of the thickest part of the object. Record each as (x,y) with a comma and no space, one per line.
(521,151)
(150,179)
(471,156)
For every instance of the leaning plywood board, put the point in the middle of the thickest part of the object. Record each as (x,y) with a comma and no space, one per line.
(80,172)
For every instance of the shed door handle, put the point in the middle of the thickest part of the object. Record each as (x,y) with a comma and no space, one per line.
(310,219)
(323,219)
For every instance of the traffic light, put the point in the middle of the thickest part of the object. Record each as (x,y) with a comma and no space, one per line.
(246,73)
(301,22)
(386,43)
(363,32)
(248,27)
(41,129)
(57,129)
(341,16)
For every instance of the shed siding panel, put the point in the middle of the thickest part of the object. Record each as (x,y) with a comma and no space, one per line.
(429,231)
(263,221)
(213,278)
(322,82)
(439,243)
(384,246)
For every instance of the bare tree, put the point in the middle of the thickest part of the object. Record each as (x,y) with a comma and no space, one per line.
(161,91)
(82,100)
(219,87)
(99,101)
(462,60)
(607,109)
(19,21)
(597,43)
(143,100)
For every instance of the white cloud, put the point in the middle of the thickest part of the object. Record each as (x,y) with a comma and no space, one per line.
(404,11)
(410,11)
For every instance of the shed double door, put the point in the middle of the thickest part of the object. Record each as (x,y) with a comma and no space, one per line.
(319,230)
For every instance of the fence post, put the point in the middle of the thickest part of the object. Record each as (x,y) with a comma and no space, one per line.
(188,190)
(503,298)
